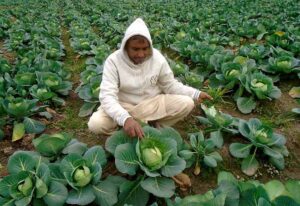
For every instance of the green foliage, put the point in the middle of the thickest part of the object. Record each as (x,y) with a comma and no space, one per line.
(202,151)
(156,155)
(30,181)
(217,122)
(260,136)
(232,192)
(51,145)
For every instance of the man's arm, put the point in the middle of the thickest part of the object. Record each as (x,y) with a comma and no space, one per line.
(108,96)
(170,85)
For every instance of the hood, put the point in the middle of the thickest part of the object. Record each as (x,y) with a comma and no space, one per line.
(138,27)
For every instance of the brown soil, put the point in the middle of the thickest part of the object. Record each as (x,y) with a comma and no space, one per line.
(10,56)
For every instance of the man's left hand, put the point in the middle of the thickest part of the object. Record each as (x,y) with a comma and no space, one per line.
(204,96)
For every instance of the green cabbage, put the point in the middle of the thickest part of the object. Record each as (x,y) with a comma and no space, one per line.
(151,156)
(82,176)
(26,186)
(259,85)
(262,136)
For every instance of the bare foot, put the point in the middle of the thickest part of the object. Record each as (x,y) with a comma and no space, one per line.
(183,180)
(155,124)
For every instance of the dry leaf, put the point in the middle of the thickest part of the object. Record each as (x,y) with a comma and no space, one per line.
(197,170)
(183,180)
(295,92)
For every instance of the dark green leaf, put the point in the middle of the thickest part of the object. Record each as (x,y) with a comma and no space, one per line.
(106,193)
(126,159)
(87,109)
(159,186)
(132,193)
(245,104)
(33,126)
(82,196)
(249,165)
(240,150)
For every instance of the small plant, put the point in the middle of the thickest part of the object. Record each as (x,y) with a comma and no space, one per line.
(217,122)
(201,151)
(19,110)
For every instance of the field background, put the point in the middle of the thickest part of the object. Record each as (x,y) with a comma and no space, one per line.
(83,33)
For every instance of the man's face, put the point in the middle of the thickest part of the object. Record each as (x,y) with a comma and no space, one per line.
(138,50)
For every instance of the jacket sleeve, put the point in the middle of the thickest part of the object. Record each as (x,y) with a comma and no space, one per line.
(170,85)
(108,96)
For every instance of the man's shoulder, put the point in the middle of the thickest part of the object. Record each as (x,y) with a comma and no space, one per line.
(114,55)
(157,55)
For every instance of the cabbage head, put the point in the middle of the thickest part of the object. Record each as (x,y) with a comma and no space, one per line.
(231,70)
(25,187)
(82,176)
(261,85)
(262,136)
(153,153)
(151,156)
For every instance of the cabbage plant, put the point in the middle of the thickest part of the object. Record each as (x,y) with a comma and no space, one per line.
(283,64)
(56,146)
(89,88)
(54,82)
(83,174)
(100,52)
(30,183)
(233,192)
(217,122)
(41,93)
(193,79)
(25,78)
(19,110)
(227,77)
(201,151)
(4,65)
(262,86)
(254,51)
(279,38)
(178,68)
(259,86)
(154,157)
(260,137)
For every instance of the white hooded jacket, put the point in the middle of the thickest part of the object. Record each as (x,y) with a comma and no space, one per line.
(124,81)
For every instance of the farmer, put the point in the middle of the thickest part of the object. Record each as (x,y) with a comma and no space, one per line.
(138,85)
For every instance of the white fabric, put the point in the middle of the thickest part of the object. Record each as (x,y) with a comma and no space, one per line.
(124,81)
(166,109)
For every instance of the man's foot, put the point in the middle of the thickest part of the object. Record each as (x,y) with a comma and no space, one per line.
(183,180)
(155,124)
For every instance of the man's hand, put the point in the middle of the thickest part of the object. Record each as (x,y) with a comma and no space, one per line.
(133,128)
(203,96)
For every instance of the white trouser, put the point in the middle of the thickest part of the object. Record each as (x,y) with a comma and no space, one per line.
(166,109)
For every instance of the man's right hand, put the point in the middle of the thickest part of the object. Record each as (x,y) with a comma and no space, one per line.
(133,128)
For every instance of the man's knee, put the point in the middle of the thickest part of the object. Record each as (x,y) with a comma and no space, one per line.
(94,125)
(188,103)
(101,125)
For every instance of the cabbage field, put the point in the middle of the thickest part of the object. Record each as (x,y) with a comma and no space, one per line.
(240,149)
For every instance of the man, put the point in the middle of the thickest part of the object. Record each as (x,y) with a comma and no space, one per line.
(138,85)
